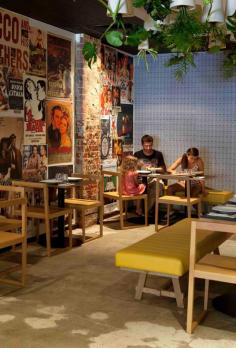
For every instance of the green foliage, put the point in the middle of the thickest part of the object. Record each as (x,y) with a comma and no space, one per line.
(184,36)
(136,36)
(139,3)
(89,53)
(143,55)
(157,9)
(183,63)
(114,38)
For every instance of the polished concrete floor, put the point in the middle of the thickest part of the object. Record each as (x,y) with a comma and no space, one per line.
(80,299)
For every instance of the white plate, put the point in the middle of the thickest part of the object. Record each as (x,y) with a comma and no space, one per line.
(72,178)
(51,181)
(144,171)
(225,209)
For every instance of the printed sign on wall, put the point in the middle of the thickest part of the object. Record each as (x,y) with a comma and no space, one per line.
(11,139)
(37,51)
(35,162)
(34,110)
(59,67)
(59,131)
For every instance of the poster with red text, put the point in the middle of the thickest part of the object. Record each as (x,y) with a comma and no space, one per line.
(59,131)
(59,67)
(14,60)
(34,110)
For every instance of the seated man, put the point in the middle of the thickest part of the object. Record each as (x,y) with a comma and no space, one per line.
(150,158)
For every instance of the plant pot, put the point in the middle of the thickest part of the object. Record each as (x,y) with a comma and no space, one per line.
(230,7)
(144,45)
(216,15)
(126,8)
(149,23)
(175,4)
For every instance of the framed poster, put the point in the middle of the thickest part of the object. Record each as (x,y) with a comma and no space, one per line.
(59,67)
(59,131)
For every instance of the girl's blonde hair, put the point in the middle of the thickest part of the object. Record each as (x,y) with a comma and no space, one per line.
(129,163)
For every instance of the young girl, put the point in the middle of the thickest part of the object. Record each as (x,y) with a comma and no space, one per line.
(190,161)
(130,184)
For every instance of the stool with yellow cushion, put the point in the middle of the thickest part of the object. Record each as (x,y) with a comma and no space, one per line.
(166,254)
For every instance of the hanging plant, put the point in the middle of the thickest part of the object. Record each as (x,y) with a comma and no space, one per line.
(157,9)
(184,37)
(230,59)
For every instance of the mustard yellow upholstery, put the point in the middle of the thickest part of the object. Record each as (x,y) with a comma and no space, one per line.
(217,197)
(167,252)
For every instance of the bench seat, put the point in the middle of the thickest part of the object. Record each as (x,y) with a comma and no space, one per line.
(167,253)
(215,197)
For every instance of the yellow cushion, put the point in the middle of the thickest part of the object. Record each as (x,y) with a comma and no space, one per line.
(168,251)
(217,197)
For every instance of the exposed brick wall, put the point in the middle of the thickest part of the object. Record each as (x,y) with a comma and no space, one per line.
(87,113)
(87,121)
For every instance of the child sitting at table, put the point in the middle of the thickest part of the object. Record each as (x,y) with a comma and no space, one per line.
(130,183)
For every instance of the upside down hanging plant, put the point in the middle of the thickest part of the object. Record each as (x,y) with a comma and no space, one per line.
(183,36)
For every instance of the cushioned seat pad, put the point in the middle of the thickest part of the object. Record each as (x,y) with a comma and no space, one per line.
(167,251)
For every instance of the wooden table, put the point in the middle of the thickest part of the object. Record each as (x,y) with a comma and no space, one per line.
(62,187)
(225,303)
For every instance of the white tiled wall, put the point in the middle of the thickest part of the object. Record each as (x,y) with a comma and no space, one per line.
(198,112)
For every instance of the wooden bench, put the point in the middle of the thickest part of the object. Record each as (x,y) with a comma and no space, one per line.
(166,254)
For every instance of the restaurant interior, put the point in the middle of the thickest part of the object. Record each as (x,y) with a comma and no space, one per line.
(117,173)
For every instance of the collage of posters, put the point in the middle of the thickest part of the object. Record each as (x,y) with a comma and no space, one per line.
(116,105)
(35,74)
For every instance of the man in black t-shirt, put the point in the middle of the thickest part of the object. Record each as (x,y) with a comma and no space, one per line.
(149,158)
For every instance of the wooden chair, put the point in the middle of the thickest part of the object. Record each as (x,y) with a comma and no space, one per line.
(87,204)
(12,239)
(118,196)
(186,201)
(45,211)
(210,267)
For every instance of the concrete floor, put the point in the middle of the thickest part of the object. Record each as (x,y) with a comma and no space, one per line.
(80,299)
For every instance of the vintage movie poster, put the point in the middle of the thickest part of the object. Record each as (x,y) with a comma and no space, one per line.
(37,51)
(110,61)
(11,91)
(35,161)
(15,93)
(106,137)
(59,67)
(14,60)
(59,131)
(4,98)
(115,96)
(14,40)
(125,124)
(34,110)
(117,147)
(54,171)
(106,100)
(11,140)
(124,78)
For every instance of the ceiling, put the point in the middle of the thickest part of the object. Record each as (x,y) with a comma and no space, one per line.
(76,16)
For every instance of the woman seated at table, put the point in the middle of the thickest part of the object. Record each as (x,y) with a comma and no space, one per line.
(190,162)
